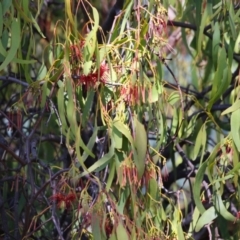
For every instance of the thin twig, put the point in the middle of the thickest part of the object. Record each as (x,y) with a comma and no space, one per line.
(209,231)
(19,160)
(14,80)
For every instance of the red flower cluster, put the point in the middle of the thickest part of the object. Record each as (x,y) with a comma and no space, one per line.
(91,79)
(64,201)
(76,51)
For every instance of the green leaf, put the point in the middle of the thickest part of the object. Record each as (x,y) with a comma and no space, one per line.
(112,169)
(71,109)
(195,218)
(4,43)
(140,143)
(87,106)
(25,7)
(121,232)
(87,67)
(23,61)
(231,21)
(113,236)
(6,5)
(79,143)
(91,38)
(200,141)
(68,8)
(15,43)
(191,126)
(117,137)
(61,107)
(220,79)
(173,98)
(207,217)
(235,128)
(153,189)
(201,29)
(153,96)
(221,209)
(96,19)
(124,130)
(101,163)
(197,187)
(124,195)
(233,108)
(126,17)
(35,24)
(199,179)
(1,22)
(175,122)
(90,144)
(215,43)
(96,223)
(42,72)
(176,224)
(180,233)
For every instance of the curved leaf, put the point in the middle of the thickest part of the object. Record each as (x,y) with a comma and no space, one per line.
(140,143)
(121,232)
(207,217)
(15,43)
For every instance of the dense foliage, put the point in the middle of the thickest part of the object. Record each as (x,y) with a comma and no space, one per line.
(119,120)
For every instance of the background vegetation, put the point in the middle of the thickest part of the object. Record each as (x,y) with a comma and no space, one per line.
(119,120)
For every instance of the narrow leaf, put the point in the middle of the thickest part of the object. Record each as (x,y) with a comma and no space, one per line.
(15,43)
(121,232)
(140,142)
(235,128)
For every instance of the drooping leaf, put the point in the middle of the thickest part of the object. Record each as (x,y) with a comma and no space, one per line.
(96,223)
(174,98)
(235,128)
(233,108)
(222,209)
(15,43)
(1,23)
(117,137)
(140,142)
(121,232)
(200,141)
(199,179)
(6,5)
(88,106)
(206,218)
(101,163)
(203,17)
(215,43)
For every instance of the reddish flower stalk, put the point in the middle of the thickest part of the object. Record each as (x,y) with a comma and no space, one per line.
(76,51)
(127,173)
(64,201)
(15,119)
(150,173)
(130,94)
